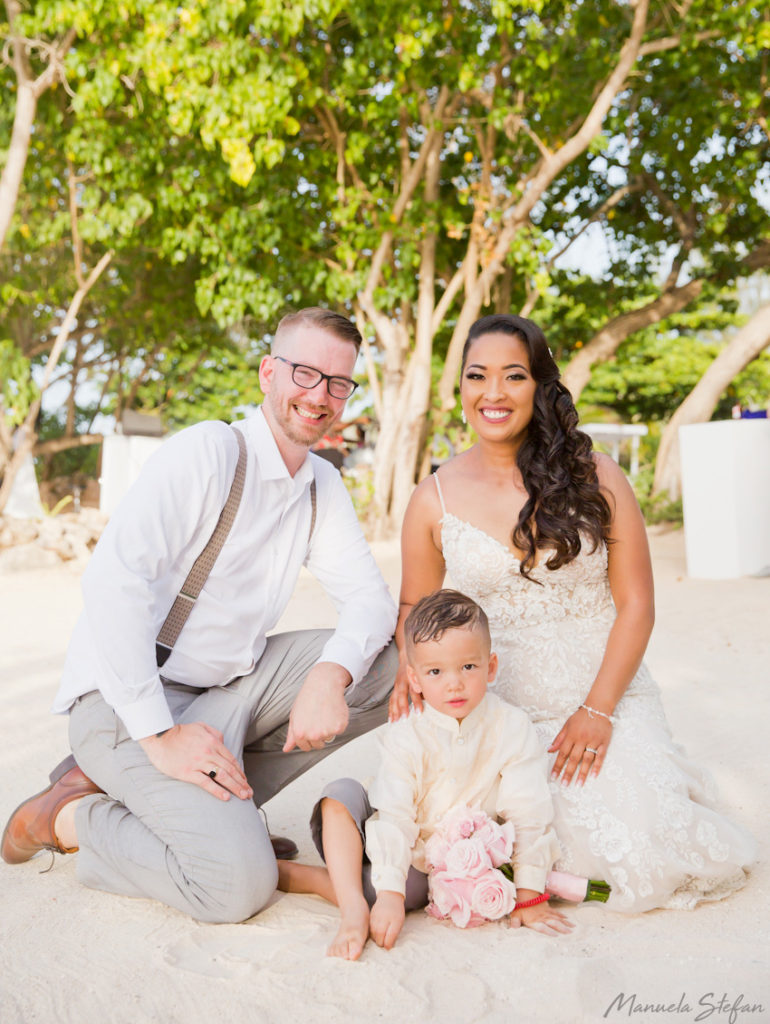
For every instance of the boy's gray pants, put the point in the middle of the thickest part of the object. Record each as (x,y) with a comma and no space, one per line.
(154,836)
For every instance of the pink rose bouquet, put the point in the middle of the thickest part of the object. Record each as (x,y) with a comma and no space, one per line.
(463,857)
(470,875)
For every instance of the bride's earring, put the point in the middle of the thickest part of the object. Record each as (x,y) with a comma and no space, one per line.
(462,416)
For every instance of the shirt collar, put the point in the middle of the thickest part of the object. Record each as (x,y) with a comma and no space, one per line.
(271,464)
(468,724)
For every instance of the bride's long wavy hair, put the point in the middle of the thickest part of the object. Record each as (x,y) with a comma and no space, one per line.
(555,460)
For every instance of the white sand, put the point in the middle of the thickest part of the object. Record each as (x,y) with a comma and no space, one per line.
(71,954)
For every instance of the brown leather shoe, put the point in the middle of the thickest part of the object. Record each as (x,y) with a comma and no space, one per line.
(30,827)
(283,848)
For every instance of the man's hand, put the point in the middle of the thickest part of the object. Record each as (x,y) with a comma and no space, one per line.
(387,918)
(191,752)
(320,713)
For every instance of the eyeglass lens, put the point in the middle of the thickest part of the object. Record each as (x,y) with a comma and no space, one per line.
(308,377)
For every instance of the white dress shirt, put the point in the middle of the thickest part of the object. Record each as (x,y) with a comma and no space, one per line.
(492,760)
(159,529)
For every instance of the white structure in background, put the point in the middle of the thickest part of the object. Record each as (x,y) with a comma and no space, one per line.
(726,498)
(614,434)
(24,499)
(124,454)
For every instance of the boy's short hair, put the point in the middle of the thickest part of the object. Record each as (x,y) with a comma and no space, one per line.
(433,615)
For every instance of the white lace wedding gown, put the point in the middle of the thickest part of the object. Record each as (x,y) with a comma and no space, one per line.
(645,824)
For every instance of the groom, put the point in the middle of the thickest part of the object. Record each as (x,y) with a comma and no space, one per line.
(182,732)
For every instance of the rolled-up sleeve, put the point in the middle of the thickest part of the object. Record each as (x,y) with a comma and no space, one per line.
(342,562)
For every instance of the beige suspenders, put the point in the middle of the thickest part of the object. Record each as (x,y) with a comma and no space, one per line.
(192,586)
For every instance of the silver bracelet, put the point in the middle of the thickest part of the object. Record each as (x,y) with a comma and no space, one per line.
(602,714)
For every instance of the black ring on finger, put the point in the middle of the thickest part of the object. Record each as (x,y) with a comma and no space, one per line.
(212,774)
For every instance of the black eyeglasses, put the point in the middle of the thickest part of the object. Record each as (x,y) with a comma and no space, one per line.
(308,377)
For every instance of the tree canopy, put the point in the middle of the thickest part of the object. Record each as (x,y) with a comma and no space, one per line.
(417,165)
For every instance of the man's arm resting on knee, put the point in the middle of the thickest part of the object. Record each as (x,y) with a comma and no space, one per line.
(191,752)
(320,712)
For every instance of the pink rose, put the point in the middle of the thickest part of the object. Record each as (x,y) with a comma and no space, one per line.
(461,823)
(436,849)
(468,858)
(493,896)
(498,840)
(451,897)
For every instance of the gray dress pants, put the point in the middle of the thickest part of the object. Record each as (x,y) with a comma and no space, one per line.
(153,836)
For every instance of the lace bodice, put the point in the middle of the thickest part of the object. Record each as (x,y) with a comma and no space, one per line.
(489,572)
(549,632)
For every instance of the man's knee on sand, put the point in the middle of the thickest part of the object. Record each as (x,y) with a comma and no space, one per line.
(216,864)
(245,884)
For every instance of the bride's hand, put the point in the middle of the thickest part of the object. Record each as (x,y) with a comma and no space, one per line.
(398,705)
(582,746)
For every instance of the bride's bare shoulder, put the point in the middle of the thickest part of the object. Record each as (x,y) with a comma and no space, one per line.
(425,497)
(425,503)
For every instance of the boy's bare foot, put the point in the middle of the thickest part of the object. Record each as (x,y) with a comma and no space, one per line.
(353,932)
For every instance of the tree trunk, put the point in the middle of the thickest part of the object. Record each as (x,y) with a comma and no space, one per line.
(69,427)
(412,429)
(15,459)
(699,405)
(28,91)
(10,182)
(395,388)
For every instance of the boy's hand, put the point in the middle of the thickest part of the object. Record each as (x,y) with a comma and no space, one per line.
(387,918)
(541,918)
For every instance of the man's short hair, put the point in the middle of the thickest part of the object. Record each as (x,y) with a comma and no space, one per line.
(433,615)
(325,320)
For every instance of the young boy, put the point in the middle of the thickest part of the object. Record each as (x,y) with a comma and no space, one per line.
(466,748)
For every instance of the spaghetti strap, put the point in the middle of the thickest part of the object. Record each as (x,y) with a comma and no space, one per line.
(440,493)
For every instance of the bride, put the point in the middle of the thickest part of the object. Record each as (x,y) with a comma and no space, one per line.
(548,538)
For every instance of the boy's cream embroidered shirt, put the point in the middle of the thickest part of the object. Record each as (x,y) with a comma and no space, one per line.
(492,760)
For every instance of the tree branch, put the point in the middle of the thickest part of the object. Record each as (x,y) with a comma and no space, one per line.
(63,444)
(671,42)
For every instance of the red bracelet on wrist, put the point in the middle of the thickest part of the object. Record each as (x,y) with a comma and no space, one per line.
(543,898)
